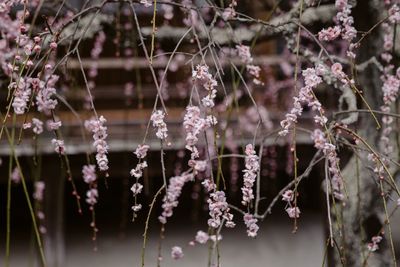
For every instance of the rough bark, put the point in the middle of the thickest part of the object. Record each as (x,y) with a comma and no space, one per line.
(362,214)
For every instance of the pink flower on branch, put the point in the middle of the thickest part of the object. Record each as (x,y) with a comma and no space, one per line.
(96,126)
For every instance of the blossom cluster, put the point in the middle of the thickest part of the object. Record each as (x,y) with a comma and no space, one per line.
(37,126)
(94,54)
(15,176)
(345,19)
(137,172)
(329,34)
(374,245)
(13,63)
(59,146)
(91,196)
(44,102)
(378,169)
(219,210)
(176,253)
(39,190)
(229,12)
(96,126)
(90,177)
(38,195)
(201,237)
(53,125)
(146,3)
(157,119)
(394,14)
(244,54)
(305,96)
(22,93)
(390,88)
(251,224)
(252,165)
(174,190)
(391,81)
(292,210)
(202,74)
(321,142)
(194,124)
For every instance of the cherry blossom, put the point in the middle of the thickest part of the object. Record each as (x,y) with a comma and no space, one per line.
(157,119)
(219,210)
(37,126)
(96,126)
(201,237)
(59,146)
(176,253)
(174,190)
(250,174)
(89,173)
(251,224)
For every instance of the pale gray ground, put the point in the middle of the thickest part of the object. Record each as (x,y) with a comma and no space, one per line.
(275,246)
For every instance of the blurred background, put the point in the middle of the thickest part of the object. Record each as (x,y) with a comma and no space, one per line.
(124,93)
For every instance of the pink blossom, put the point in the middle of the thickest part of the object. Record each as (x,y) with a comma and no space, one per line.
(254,71)
(229,12)
(337,71)
(136,207)
(22,93)
(58,145)
(176,253)
(53,125)
(251,224)
(53,45)
(209,185)
(174,190)
(202,75)
(201,237)
(136,188)
(250,174)
(198,165)
(157,119)
(141,151)
(244,53)
(91,196)
(146,3)
(329,150)
(194,125)
(374,245)
(89,173)
(215,238)
(394,14)
(311,78)
(293,212)
(138,170)
(96,126)
(344,17)
(329,34)
(306,96)
(39,189)
(15,176)
(288,196)
(390,89)
(37,126)
(219,210)
(44,102)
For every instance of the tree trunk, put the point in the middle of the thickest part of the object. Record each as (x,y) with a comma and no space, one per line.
(362,215)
